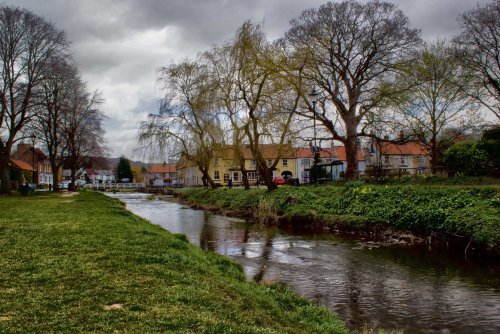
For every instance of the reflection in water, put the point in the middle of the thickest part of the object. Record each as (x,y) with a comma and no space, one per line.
(266,255)
(208,235)
(387,287)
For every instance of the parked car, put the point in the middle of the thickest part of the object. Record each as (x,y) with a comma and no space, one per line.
(279,180)
(64,184)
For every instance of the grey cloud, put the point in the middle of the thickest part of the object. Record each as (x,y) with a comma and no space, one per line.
(111,46)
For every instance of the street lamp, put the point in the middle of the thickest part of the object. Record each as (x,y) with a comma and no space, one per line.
(33,139)
(314,148)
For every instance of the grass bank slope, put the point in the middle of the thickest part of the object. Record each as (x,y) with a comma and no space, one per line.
(86,265)
(467,213)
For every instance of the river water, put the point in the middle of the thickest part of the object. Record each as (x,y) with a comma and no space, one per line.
(393,288)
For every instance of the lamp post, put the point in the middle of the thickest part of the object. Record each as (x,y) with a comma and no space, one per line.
(33,139)
(314,148)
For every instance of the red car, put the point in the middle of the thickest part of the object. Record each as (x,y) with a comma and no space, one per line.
(279,180)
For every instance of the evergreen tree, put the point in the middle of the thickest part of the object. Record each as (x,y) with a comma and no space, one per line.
(123,170)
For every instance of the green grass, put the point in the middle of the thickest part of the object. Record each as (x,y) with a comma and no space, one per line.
(65,261)
(472,213)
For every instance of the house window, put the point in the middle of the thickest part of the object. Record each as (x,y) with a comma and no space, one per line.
(216,175)
(251,175)
(421,161)
(269,163)
(252,163)
(386,159)
(226,178)
(403,159)
(306,163)
(216,162)
(285,163)
(236,176)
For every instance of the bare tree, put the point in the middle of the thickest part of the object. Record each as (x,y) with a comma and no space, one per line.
(55,93)
(435,98)
(348,49)
(188,119)
(478,48)
(83,128)
(27,42)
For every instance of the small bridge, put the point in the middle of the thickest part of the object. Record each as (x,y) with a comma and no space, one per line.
(106,186)
(159,190)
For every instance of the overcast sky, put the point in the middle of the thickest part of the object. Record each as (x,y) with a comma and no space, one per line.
(119,44)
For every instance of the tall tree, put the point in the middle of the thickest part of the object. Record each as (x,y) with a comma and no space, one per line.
(27,42)
(83,128)
(259,102)
(435,98)
(223,69)
(348,49)
(124,170)
(188,119)
(54,94)
(479,49)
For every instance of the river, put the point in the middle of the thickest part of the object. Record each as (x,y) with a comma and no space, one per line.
(394,288)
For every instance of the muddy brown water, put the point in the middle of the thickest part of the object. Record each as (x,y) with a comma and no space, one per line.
(395,288)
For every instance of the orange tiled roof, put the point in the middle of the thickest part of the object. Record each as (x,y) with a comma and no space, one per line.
(21,164)
(269,151)
(342,155)
(411,148)
(337,152)
(162,168)
(327,152)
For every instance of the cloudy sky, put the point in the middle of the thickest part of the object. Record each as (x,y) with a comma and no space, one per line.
(120,44)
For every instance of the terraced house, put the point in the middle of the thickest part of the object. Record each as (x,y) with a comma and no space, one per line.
(383,158)
(397,159)
(226,166)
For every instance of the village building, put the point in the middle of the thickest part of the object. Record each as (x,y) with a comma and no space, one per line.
(225,167)
(162,174)
(391,159)
(32,160)
(380,159)
(100,176)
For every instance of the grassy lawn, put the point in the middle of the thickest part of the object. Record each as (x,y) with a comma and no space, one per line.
(84,264)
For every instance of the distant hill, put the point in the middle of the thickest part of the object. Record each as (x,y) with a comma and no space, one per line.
(105,163)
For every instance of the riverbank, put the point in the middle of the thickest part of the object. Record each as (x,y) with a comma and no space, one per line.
(461,217)
(85,264)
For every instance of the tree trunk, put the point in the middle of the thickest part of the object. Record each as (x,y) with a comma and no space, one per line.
(55,176)
(434,156)
(351,151)
(207,180)
(4,175)
(267,175)
(244,175)
(73,179)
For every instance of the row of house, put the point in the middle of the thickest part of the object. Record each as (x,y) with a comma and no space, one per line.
(30,164)
(373,159)
(32,160)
